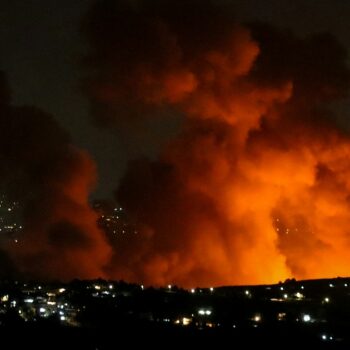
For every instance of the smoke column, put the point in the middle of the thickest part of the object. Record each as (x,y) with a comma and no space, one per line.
(51,179)
(255,187)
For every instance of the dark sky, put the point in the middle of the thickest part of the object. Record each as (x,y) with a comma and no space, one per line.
(40,47)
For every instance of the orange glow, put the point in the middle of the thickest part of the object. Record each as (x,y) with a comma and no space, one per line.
(256,186)
(65,241)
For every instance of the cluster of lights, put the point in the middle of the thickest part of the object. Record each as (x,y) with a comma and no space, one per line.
(326,337)
(41,302)
(113,221)
(45,304)
(10,221)
(281,228)
(203,312)
(103,290)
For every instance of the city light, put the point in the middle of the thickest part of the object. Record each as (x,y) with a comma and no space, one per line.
(48,301)
(186,321)
(306,318)
(326,337)
(281,316)
(204,312)
(257,318)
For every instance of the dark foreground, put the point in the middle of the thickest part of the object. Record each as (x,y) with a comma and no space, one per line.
(111,315)
(150,336)
(144,336)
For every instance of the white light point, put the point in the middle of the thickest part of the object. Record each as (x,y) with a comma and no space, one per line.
(193,291)
(306,318)
(257,318)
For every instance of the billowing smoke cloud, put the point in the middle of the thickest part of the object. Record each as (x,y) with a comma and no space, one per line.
(51,180)
(255,188)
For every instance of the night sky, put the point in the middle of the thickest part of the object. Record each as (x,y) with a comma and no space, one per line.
(41,46)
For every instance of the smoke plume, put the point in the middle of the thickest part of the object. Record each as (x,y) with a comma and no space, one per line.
(255,187)
(51,179)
